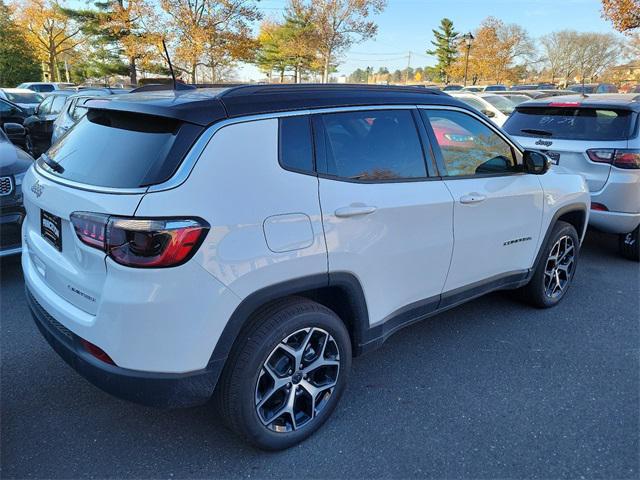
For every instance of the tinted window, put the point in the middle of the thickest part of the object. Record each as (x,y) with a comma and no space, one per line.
(373,145)
(5,107)
(296,150)
(503,104)
(22,97)
(58,103)
(45,107)
(570,123)
(42,88)
(122,150)
(468,146)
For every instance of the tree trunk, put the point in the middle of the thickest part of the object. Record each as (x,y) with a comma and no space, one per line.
(193,73)
(282,75)
(298,74)
(325,71)
(133,75)
(52,66)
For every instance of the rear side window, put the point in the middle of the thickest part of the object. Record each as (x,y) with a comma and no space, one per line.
(295,143)
(122,149)
(58,103)
(373,145)
(570,123)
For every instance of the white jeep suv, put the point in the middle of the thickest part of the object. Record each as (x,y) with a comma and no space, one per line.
(597,136)
(249,241)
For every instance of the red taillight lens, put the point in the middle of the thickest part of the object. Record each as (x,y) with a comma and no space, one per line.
(604,155)
(599,206)
(139,242)
(564,104)
(97,352)
(629,159)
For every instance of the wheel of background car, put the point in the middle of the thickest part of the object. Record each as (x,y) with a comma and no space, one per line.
(555,270)
(629,244)
(282,382)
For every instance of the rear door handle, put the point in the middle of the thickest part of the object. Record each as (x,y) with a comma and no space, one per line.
(354,211)
(471,198)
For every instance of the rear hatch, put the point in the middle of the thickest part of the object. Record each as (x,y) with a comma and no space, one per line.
(104,165)
(567,131)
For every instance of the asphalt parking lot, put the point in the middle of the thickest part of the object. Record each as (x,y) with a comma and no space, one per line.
(490,389)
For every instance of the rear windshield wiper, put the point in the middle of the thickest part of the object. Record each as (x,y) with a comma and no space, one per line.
(52,164)
(533,131)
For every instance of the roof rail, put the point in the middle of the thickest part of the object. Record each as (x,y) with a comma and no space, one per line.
(310,87)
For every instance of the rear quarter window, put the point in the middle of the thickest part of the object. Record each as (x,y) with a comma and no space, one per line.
(122,149)
(296,144)
(596,124)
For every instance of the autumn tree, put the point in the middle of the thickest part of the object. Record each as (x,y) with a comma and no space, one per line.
(624,14)
(339,24)
(560,53)
(497,49)
(49,31)
(18,61)
(594,53)
(121,30)
(445,47)
(211,33)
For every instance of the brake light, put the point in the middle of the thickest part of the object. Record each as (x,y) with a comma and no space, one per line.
(564,104)
(141,242)
(599,206)
(621,158)
(627,159)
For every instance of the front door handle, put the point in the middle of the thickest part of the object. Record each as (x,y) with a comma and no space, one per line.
(472,198)
(354,211)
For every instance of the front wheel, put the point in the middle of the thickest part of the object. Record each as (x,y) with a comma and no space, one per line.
(629,244)
(286,375)
(555,270)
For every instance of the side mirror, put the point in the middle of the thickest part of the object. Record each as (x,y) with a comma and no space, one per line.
(535,162)
(489,113)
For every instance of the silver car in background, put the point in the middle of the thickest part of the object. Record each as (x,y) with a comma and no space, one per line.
(597,136)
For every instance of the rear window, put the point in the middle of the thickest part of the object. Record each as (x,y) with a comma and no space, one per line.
(570,123)
(122,149)
(24,97)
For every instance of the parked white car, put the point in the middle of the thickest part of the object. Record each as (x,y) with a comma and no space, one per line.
(251,240)
(46,87)
(597,136)
(496,107)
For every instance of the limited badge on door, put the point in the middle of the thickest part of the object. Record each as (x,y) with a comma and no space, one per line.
(51,228)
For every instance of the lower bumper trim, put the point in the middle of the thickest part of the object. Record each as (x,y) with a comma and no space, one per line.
(166,390)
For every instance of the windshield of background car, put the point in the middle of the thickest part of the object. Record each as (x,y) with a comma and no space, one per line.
(503,104)
(571,123)
(24,97)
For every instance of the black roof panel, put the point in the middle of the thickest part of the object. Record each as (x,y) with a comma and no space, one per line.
(209,105)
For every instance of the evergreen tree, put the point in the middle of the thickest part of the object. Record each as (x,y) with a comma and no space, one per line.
(444,47)
(18,61)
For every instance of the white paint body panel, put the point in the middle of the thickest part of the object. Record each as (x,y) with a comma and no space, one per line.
(401,251)
(511,210)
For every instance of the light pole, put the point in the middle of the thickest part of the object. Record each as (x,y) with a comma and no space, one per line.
(468,40)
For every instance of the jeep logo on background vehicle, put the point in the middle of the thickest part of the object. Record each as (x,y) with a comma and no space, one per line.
(546,143)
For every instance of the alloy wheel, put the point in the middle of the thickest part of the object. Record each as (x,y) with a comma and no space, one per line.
(559,267)
(297,379)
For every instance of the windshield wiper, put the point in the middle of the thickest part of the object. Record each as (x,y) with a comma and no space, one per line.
(52,164)
(533,131)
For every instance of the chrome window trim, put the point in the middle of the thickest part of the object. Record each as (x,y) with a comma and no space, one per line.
(195,152)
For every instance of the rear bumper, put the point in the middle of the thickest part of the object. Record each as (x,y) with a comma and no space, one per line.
(614,222)
(168,390)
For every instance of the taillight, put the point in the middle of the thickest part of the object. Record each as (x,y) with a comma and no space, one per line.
(96,352)
(141,242)
(621,158)
(599,206)
(564,104)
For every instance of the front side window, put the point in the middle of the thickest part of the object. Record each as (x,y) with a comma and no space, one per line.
(468,146)
(373,145)
(45,106)
(58,103)
(295,143)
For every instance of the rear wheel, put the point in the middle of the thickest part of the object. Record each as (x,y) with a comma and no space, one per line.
(629,244)
(555,270)
(285,377)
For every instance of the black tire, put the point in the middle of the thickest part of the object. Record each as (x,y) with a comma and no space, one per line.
(238,389)
(545,290)
(629,244)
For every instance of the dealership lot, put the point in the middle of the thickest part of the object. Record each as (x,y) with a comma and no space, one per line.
(490,389)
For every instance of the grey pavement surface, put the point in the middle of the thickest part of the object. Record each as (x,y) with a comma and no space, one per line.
(490,389)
